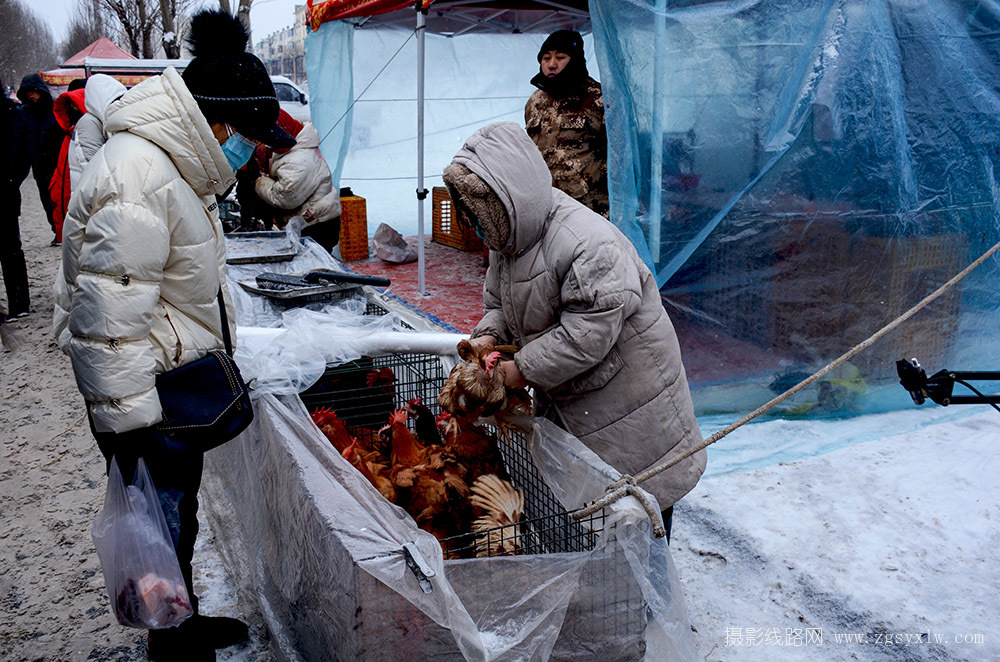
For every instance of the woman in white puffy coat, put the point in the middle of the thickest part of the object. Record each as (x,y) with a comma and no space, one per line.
(143,271)
(298,181)
(143,254)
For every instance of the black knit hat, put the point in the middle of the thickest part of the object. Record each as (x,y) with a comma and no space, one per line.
(229,84)
(564,41)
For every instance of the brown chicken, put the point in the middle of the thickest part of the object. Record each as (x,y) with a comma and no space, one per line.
(502,505)
(474,447)
(406,449)
(375,473)
(429,481)
(436,494)
(331,426)
(474,388)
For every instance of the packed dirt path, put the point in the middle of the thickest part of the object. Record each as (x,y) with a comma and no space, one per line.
(52,600)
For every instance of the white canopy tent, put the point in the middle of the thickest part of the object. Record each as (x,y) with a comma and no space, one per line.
(455,18)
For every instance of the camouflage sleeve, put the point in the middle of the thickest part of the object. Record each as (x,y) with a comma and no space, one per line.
(533,117)
(595,115)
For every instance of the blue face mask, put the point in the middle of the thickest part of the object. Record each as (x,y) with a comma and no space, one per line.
(238,150)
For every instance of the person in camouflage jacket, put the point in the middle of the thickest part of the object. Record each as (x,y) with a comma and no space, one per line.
(565,119)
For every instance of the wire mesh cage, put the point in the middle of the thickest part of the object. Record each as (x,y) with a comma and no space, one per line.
(365,392)
(608,607)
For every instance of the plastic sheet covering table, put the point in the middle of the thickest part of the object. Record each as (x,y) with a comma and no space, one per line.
(325,553)
(257,310)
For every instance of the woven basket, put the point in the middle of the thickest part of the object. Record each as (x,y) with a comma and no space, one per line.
(353,228)
(446,228)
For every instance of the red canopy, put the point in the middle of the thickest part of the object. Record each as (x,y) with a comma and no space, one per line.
(62,77)
(103,48)
(73,67)
(321,11)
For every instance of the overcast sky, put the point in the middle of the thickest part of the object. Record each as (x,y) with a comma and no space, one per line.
(266,16)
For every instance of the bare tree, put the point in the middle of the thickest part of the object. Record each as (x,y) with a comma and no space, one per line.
(86,27)
(242,13)
(136,23)
(171,40)
(28,46)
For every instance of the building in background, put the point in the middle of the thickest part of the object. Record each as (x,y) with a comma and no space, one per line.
(284,52)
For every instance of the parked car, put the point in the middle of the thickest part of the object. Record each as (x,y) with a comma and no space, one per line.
(292,99)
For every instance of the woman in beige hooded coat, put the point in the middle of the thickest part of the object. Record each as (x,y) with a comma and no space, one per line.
(569,289)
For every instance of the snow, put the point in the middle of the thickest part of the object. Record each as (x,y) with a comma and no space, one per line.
(897,535)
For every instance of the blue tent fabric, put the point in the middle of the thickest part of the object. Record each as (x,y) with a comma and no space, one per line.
(824,165)
(329,57)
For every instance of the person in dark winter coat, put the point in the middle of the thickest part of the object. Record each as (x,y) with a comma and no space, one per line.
(143,273)
(14,166)
(565,119)
(44,138)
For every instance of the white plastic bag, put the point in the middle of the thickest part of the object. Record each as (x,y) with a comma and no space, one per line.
(391,247)
(140,566)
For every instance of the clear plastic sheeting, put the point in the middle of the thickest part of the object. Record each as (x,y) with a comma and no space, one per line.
(311,340)
(328,68)
(324,557)
(799,174)
(258,310)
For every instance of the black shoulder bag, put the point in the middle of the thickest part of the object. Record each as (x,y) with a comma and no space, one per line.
(205,402)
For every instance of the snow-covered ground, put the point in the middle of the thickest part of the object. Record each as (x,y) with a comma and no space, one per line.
(894,540)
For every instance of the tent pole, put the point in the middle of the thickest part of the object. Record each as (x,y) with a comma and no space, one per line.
(656,134)
(421,192)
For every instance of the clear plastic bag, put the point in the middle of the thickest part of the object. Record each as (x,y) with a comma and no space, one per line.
(140,566)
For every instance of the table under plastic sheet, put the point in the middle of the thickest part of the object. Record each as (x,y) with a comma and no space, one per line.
(340,573)
(256,310)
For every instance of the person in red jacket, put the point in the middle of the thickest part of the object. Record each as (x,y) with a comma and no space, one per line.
(68,108)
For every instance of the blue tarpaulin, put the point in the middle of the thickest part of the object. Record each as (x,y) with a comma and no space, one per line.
(798,173)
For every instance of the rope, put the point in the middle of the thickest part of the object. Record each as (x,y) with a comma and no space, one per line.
(616,490)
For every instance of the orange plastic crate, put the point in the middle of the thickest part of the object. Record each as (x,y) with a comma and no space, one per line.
(446,229)
(353,228)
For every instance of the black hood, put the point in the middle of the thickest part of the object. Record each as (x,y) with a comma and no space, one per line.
(35,83)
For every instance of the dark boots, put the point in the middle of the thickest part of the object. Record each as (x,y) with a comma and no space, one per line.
(196,639)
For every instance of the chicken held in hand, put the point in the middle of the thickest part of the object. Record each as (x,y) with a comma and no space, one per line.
(475,387)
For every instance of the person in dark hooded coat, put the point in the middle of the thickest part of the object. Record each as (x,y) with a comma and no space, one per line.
(13,169)
(43,136)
